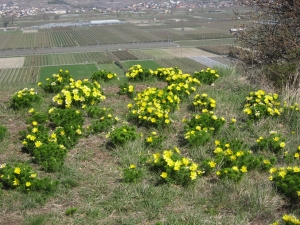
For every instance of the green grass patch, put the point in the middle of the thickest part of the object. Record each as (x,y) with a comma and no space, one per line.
(77,71)
(150,64)
(113,68)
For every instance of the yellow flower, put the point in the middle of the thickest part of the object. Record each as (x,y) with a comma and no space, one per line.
(34,123)
(35,130)
(273,170)
(218,173)
(217,142)
(233,120)
(193,167)
(282,173)
(244,169)
(149,139)
(132,166)
(235,168)
(38,144)
(282,144)
(17,170)
(78,131)
(193,175)
(212,164)
(16,182)
(164,175)
(31,110)
(33,175)
(27,184)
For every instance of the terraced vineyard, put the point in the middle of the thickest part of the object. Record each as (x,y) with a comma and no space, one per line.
(193,29)
(19,75)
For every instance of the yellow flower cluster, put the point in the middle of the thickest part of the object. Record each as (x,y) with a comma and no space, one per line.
(152,106)
(290,219)
(79,93)
(174,163)
(136,71)
(25,92)
(163,73)
(203,101)
(259,104)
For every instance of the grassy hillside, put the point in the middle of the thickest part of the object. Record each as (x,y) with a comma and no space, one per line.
(232,187)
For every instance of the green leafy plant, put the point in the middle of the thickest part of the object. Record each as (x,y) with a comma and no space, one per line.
(154,140)
(207,76)
(122,135)
(274,142)
(103,124)
(22,177)
(203,101)
(259,104)
(127,89)
(174,167)
(57,82)
(44,148)
(232,159)
(152,107)
(132,174)
(137,73)
(3,130)
(25,98)
(199,129)
(80,93)
(164,73)
(71,211)
(103,75)
(287,181)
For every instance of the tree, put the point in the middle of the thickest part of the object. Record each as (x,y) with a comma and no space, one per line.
(271,39)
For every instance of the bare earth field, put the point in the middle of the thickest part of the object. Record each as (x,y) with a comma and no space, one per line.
(188,52)
(7,63)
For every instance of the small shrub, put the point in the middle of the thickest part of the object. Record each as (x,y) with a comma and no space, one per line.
(103,75)
(80,93)
(259,104)
(22,177)
(203,101)
(174,168)
(274,142)
(154,140)
(199,129)
(127,89)
(25,98)
(287,181)
(137,73)
(132,174)
(122,135)
(207,76)
(57,82)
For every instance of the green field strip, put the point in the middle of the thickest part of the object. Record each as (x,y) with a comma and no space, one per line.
(147,64)
(113,68)
(76,71)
